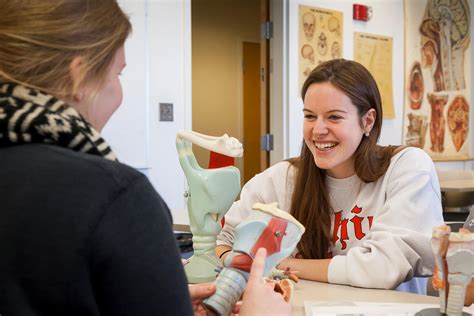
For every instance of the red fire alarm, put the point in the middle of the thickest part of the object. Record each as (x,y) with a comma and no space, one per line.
(361,12)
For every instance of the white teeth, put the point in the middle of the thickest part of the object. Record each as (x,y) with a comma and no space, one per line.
(325,145)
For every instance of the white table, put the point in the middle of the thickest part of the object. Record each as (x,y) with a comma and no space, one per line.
(317,291)
(456,181)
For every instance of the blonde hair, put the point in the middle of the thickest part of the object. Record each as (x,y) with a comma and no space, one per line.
(39,40)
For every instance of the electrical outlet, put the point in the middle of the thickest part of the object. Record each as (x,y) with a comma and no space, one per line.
(166,112)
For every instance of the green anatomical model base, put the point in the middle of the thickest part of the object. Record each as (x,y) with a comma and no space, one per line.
(210,194)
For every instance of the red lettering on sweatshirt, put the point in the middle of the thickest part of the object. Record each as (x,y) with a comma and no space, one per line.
(370,218)
(357,221)
(340,226)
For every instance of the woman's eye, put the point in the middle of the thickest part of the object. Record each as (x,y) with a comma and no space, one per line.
(335,117)
(309,116)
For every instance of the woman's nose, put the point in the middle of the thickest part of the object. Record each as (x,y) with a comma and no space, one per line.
(319,127)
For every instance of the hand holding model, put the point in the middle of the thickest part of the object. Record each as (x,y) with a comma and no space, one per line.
(266,227)
(259,297)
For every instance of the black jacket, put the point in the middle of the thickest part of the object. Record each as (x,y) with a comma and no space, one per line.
(82,235)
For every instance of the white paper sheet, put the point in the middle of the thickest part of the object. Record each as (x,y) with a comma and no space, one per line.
(322,308)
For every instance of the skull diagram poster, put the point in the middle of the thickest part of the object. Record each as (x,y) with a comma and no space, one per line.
(320,38)
(437,78)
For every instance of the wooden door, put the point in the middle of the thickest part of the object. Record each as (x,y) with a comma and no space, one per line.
(251,91)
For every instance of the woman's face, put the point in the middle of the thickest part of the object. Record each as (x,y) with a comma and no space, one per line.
(332,128)
(97,111)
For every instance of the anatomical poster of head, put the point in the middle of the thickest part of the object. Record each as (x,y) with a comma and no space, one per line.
(375,53)
(437,109)
(320,38)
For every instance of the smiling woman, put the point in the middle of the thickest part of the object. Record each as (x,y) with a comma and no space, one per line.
(368,209)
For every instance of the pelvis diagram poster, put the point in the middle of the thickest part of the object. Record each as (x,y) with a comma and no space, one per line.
(320,38)
(437,77)
(375,53)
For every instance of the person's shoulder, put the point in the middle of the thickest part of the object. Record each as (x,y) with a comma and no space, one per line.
(412,158)
(65,163)
(279,169)
(281,165)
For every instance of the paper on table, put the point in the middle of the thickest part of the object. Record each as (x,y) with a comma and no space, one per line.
(322,308)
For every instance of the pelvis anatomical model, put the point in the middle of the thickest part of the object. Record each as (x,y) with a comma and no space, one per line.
(458,121)
(418,124)
(437,121)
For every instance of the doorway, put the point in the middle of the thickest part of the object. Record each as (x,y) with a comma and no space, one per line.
(222,32)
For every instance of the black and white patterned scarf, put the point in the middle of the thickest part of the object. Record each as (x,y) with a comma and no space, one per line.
(31,116)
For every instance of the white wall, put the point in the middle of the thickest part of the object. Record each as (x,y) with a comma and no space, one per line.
(127,131)
(158,70)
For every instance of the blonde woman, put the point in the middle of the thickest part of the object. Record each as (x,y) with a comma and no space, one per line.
(368,209)
(80,233)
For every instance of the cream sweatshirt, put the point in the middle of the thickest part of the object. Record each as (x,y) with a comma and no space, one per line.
(381,230)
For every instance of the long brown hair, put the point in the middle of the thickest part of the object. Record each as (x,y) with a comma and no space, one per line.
(39,39)
(310,201)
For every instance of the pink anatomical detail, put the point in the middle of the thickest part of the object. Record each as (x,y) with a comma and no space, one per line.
(417,87)
(458,121)
(416,132)
(437,121)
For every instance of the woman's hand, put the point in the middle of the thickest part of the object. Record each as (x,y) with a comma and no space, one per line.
(198,293)
(259,298)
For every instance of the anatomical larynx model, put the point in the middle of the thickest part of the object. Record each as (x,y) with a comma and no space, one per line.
(454,258)
(266,227)
(210,194)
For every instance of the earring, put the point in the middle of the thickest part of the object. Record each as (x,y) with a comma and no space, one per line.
(367,134)
(77,97)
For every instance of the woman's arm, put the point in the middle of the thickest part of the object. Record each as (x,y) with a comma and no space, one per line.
(309,269)
(223,251)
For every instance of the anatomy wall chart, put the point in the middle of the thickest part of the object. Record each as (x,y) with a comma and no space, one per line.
(375,53)
(437,107)
(320,38)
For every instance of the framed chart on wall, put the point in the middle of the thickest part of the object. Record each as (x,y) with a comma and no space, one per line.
(375,53)
(437,109)
(320,38)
